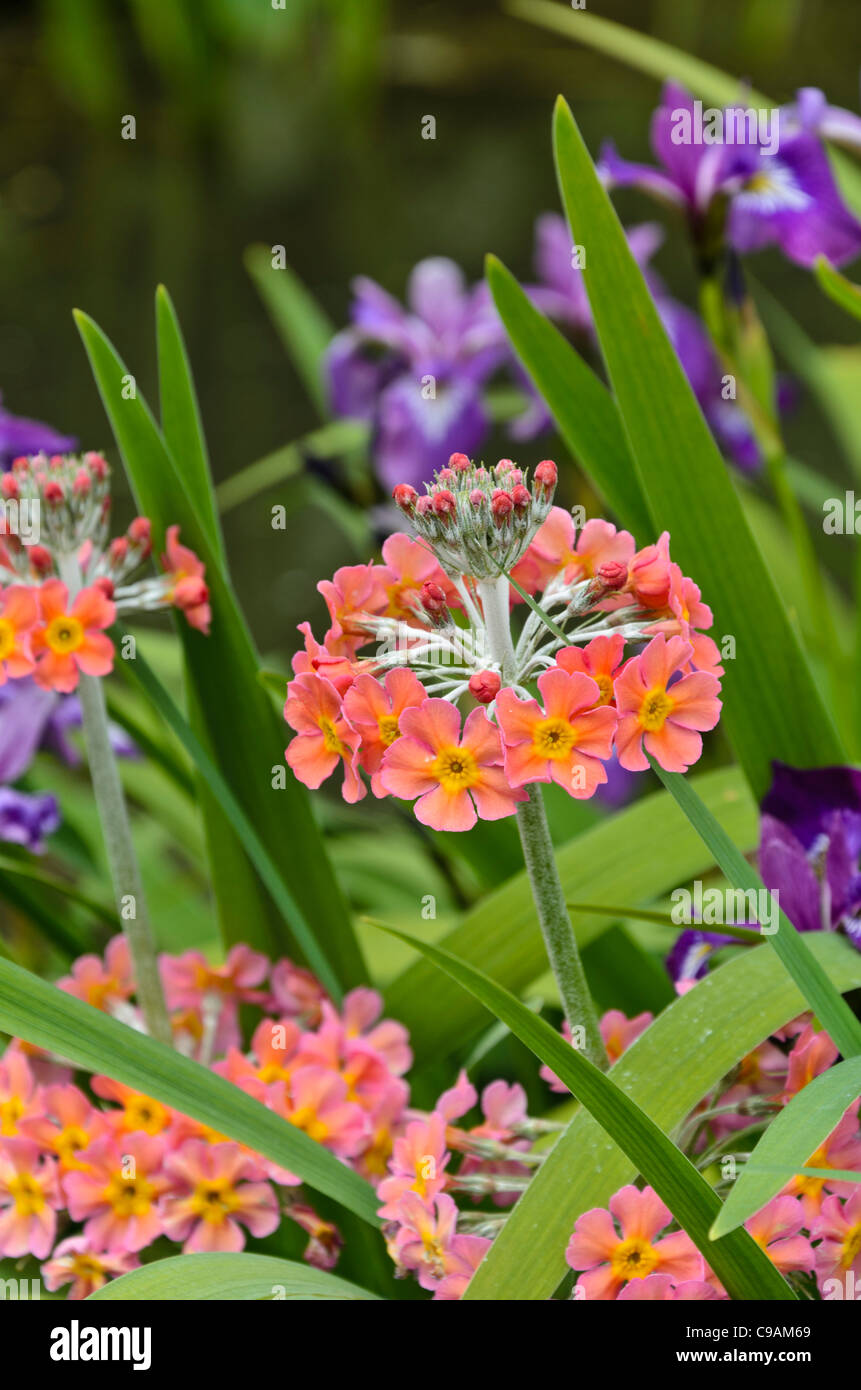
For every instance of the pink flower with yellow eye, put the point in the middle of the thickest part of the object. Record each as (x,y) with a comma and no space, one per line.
(418,1163)
(558,549)
(600,659)
(102,984)
(608,1258)
(456,779)
(70,638)
(19,614)
(75,1262)
(30,1197)
(118,1192)
(661,713)
(777,1230)
(188,590)
(409,565)
(137,1114)
(373,709)
(352,591)
(565,741)
(841,1150)
(21,1099)
(212,1198)
(71,1124)
(837,1227)
(324,738)
(316,1101)
(662,1288)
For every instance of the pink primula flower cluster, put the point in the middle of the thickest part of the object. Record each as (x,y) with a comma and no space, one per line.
(91,1174)
(414,638)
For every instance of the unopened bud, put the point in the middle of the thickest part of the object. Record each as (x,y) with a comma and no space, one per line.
(459,462)
(9,485)
(424,505)
(53,493)
(444,504)
(484,686)
(82,483)
(501,506)
(545,477)
(613,574)
(41,559)
(433,600)
(118,549)
(105,584)
(405,497)
(477,496)
(521,497)
(97,465)
(140,534)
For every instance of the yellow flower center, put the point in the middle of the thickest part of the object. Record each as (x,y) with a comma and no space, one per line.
(143,1113)
(305,1117)
(851,1247)
(654,710)
(273,1072)
(389,730)
(213,1201)
(129,1196)
(331,742)
(7,638)
(11,1111)
(455,769)
(759,183)
(605,686)
(64,634)
(29,1197)
(88,1267)
(554,738)
(67,1144)
(634,1258)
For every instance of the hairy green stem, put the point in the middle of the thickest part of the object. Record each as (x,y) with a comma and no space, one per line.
(119,847)
(559,939)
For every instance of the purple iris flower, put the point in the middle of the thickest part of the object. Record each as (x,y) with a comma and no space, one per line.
(688,961)
(561,294)
(31,720)
(417,373)
(20,436)
(810,112)
(810,844)
(784,195)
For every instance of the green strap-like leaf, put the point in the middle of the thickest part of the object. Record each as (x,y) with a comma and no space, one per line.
(826,1002)
(793,1135)
(230,713)
(837,287)
(301,324)
(643,852)
(772,708)
(668,1070)
(580,403)
(743,1268)
(40,1013)
(180,417)
(234,1278)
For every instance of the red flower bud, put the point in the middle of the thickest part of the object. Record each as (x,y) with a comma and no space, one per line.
(476,497)
(405,496)
(521,497)
(140,534)
(501,506)
(424,505)
(444,504)
(613,574)
(41,559)
(503,467)
(484,686)
(433,599)
(53,493)
(97,465)
(446,475)
(545,476)
(106,585)
(459,462)
(9,485)
(118,549)
(83,482)
(21,464)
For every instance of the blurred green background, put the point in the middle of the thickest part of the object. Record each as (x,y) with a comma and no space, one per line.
(301,126)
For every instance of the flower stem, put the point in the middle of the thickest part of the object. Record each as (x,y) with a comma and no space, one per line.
(119,847)
(556,928)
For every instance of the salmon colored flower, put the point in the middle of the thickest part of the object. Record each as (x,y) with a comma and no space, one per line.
(409,565)
(607,1260)
(324,738)
(19,613)
(777,1230)
(21,1099)
(70,1125)
(358,1017)
(454,778)
(70,638)
(462,1259)
(196,988)
(211,1198)
(188,590)
(316,1102)
(841,1150)
(661,1287)
(600,659)
(661,715)
(558,549)
(418,1163)
(425,1237)
(619,1032)
(352,591)
(565,741)
(137,1114)
(317,660)
(812,1054)
(117,1194)
(373,709)
(838,1230)
(30,1197)
(102,984)
(649,574)
(75,1262)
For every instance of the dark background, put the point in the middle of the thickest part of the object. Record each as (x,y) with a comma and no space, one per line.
(303,127)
